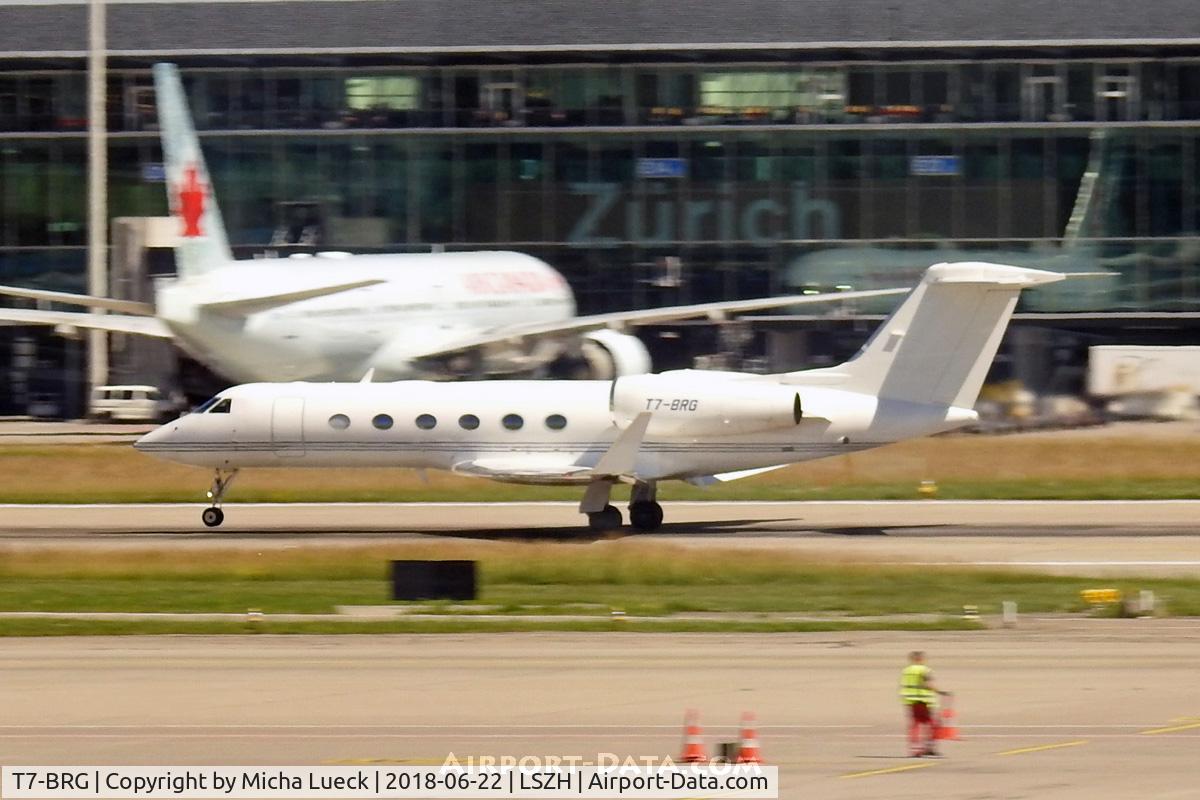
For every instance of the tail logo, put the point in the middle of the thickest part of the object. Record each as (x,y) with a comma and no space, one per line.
(191,202)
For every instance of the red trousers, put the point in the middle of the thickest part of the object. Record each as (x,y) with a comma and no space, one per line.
(921,720)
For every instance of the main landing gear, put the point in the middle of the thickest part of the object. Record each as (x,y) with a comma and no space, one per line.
(606,519)
(645,514)
(213,515)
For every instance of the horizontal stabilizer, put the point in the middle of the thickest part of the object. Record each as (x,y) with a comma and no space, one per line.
(92,301)
(250,304)
(116,323)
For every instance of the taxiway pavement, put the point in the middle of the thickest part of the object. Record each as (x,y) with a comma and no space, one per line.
(1084,709)
(1094,537)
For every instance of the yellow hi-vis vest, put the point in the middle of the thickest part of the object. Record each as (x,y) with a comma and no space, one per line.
(912,685)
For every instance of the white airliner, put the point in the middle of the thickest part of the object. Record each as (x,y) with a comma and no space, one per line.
(919,374)
(335,316)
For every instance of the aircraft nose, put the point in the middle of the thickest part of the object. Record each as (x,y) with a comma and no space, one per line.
(154,439)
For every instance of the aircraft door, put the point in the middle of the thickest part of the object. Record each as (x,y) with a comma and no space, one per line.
(287,426)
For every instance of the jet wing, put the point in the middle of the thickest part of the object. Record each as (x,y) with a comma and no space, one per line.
(93,301)
(725,477)
(117,323)
(619,461)
(234,303)
(523,469)
(651,316)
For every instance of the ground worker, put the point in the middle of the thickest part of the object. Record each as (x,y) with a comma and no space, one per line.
(920,697)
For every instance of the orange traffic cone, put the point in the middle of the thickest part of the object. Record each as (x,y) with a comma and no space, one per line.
(748,751)
(693,745)
(947,728)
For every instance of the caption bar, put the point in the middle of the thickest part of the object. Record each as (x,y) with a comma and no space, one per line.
(365,783)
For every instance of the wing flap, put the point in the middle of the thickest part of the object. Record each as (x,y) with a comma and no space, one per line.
(521,468)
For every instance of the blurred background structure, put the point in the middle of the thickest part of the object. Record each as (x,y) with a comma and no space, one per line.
(654,151)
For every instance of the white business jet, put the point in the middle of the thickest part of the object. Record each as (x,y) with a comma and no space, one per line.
(919,374)
(336,315)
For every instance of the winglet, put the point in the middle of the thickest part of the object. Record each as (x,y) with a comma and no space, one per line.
(621,458)
(368,377)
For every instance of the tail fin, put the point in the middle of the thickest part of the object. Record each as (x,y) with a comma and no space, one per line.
(202,245)
(938,345)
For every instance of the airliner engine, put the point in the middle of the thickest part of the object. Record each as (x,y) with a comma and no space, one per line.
(610,354)
(700,403)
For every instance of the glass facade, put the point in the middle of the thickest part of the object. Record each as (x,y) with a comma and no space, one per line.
(568,95)
(737,179)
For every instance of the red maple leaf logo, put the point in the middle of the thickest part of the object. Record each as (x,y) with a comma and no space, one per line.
(191,202)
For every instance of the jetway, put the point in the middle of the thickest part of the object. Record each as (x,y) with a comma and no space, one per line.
(142,253)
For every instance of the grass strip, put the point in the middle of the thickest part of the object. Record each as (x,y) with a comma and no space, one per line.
(638,577)
(964,467)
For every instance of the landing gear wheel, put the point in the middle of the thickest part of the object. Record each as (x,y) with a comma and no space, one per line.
(645,515)
(607,520)
(213,515)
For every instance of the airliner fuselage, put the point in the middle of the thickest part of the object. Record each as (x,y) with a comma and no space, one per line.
(418,303)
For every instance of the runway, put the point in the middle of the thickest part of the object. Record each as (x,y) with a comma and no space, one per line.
(1097,537)
(1069,709)
(1101,709)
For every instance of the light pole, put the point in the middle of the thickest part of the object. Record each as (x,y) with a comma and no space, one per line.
(97,188)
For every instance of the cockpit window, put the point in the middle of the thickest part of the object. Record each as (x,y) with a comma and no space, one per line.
(206,405)
(222,407)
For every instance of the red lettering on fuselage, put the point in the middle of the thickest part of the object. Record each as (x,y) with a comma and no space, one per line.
(519,282)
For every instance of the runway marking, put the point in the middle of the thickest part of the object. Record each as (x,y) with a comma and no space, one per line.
(456,726)
(1039,748)
(905,768)
(1183,563)
(1172,729)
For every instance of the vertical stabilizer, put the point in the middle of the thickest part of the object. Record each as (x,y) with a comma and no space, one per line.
(202,244)
(938,345)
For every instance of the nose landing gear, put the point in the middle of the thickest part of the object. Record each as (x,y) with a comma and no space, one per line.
(213,515)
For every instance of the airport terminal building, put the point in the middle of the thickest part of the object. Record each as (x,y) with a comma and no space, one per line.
(655,151)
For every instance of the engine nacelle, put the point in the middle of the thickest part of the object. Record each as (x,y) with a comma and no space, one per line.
(610,354)
(699,403)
